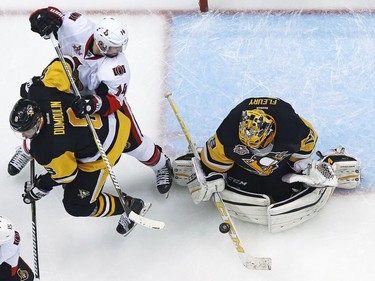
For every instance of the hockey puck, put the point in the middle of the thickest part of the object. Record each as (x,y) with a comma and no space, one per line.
(224,227)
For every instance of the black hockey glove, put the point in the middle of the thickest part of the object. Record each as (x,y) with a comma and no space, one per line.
(47,20)
(88,104)
(25,87)
(34,192)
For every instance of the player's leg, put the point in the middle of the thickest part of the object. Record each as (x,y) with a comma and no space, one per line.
(147,152)
(19,159)
(83,197)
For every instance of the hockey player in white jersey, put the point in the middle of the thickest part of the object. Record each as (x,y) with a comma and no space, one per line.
(12,266)
(103,75)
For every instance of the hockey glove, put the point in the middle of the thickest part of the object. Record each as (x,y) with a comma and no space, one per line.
(88,104)
(25,87)
(318,174)
(47,20)
(34,192)
(201,187)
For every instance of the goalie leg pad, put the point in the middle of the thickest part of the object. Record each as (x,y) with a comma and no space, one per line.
(246,206)
(183,169)
(297,209)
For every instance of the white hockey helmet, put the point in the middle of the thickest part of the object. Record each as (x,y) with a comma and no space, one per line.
(112,33)
(6,230)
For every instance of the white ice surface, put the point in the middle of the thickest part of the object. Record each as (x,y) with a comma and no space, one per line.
(338,244)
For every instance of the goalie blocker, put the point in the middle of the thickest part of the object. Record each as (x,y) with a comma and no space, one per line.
(335,168)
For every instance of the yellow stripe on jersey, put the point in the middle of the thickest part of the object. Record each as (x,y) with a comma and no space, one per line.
(307,144)
(54,76)
(112,205)
(101,206)
(99,184)
(63,168)
(114,154)
(213,156)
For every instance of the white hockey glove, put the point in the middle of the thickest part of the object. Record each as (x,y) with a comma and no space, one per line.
(317,174)
(346,167)
(201,187)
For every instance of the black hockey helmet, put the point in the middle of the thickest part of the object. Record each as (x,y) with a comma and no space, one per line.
(24,115)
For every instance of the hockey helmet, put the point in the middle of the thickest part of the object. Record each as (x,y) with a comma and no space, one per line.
(257,129)
(112,33)
(25,115)
(6,230)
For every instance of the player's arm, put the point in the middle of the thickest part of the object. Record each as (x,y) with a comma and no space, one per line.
(53,76)
(207,176)
(302,158)
(46,20)
(311,172)
(62,169)
(213,156)
(103,103)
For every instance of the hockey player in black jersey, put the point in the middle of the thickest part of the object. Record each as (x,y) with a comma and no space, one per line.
(64,145)
(260,159)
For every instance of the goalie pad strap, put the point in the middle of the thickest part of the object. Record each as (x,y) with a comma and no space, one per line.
(183,169)
(247,206)
(297,209)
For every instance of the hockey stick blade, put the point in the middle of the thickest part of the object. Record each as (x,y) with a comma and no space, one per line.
(146,222)
(255,263)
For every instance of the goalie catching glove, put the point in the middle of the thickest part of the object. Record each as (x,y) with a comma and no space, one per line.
(317,174)
(202,186)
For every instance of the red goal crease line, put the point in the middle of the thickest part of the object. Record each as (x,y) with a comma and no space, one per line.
(20,12)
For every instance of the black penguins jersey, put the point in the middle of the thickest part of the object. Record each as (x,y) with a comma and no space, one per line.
(66,143)
(294,140)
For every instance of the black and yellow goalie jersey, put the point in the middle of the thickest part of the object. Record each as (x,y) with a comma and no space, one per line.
(66,143)
(293,139)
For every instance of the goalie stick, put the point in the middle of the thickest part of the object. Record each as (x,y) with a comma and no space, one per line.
(248,261)
(146,222)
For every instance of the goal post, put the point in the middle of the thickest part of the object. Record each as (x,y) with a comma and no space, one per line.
(203,6)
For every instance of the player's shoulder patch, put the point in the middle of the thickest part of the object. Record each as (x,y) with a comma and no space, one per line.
(119,70)
(74,16)
(211,142)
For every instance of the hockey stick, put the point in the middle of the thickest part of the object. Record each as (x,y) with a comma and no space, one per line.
(146,222)
(248,261)
(34,227)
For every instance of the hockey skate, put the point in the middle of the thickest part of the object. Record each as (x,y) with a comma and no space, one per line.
(18,161)
(164,178)
(125,225)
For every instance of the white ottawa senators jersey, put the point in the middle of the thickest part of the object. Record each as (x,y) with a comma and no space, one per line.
(76,38)
(10,251)
(294,140)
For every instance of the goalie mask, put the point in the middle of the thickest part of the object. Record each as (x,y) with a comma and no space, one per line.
(26,118)
(112,35)
(6,230)
(257,129)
